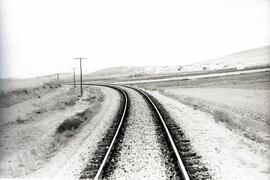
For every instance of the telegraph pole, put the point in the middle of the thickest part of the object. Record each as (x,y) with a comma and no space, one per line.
(74,77)
(80,58)
(57,76)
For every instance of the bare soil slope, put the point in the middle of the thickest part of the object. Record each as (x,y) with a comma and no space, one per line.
(29,129)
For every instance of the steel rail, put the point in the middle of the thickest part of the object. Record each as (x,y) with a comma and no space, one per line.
(112,144)
(179,160)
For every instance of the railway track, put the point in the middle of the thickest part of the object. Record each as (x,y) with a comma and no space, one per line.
(188,162)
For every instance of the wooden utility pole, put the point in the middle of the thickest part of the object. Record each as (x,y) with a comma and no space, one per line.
(81,72)
(74,77)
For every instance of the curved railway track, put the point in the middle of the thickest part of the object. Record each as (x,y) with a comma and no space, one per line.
(106,158)
(116,130)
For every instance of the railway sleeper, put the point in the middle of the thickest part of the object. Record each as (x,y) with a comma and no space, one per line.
(200,176)
(184,148)
(186,159)
(192,162)
(103,146)
(88,174)
(184,144)
(94,161)
(174,128)
(188,154)
(177,132)
(92,167)
(184,141)
(194,170)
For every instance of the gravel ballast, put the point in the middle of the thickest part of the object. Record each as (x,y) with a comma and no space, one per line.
(141,153)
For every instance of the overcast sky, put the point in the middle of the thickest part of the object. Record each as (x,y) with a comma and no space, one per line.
(43,36)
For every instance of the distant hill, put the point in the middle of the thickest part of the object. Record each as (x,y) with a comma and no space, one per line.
(249,58)
(245,59)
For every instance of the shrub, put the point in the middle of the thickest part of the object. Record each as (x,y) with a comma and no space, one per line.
(222,116)
(20,120)
(70,124)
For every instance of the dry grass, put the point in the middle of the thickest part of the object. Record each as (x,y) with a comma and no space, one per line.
(67,129)
(40,149)
(221,116)
(72,125)
(21,94)
(233,119)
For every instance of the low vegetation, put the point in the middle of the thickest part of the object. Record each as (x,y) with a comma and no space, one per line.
(69,127)
(222,114)
(42,126)
(73,125)
(21,94)
(70,124)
